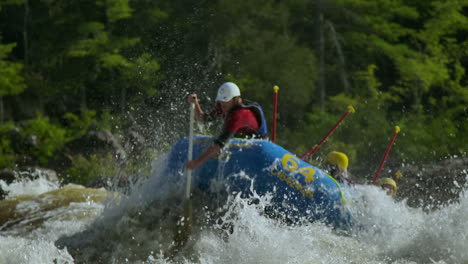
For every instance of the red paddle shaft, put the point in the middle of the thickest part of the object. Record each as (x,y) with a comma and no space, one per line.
(314,149)
(377,174)
(275,108)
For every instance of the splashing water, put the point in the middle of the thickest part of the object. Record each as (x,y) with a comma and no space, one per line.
(82,226)
(28,187)
(22,250)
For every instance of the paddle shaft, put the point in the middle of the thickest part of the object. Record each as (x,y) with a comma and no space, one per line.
(183,231)
(389,147)
(275,108)
(314,149)
(188,172)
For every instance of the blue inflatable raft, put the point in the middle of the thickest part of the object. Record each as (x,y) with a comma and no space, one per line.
(299,190)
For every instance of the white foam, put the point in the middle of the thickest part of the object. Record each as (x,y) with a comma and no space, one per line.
(390,232)
(25,251)
(31,187)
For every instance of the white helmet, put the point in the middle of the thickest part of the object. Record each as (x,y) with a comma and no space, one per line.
(227,91)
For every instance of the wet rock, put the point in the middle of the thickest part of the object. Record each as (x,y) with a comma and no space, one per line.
(135,140)
(14,135)
(8,175)
(134,145)
(97,141)
(61,162)
(3,193)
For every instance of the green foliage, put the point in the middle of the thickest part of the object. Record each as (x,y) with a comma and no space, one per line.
(96,166)
(7,154)
(50,138)
(7,127)
(142,73)
(107,120)
(79,126)
(397,62)
(40,138)
(419,139)
(97,42)
(10,2)
(11,81)
(118,9)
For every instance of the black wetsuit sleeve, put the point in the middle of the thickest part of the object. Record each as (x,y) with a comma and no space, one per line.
(222,139)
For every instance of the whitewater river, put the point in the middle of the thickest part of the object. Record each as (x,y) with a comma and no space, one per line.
(41,222)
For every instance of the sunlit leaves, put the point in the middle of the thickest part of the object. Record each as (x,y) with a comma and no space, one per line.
(11,80)
(118,9)
(50,138)
(142,75)
(98,43)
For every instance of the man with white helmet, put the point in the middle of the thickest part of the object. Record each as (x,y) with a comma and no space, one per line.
(242,118)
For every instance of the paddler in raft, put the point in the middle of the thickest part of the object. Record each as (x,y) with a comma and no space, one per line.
(242,119)
(336,165)
(389,185)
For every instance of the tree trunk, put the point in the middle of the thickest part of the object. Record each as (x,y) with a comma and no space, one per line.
(1,109)
(341,58)
(319,51)
(83,105)
(25,32)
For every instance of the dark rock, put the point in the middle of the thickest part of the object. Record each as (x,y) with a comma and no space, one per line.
(32,141)
(97,142)
(3,193)
(134,145)
(14,135)
(61,162)
(8,175)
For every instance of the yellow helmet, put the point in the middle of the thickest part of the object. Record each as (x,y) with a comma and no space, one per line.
(388,181)
(337,158)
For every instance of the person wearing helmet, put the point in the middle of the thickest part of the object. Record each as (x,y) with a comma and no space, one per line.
(242,118)
(336,165)
(389,185)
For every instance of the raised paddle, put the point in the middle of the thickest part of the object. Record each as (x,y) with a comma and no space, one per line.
(186,228)
(275,108)
(389,147)
(314,149)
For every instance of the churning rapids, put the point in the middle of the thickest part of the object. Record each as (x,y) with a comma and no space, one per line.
(41,222)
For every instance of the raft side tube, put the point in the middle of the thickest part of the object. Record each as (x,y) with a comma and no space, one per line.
(298,188)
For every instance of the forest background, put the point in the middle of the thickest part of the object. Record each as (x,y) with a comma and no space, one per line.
(68,67)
